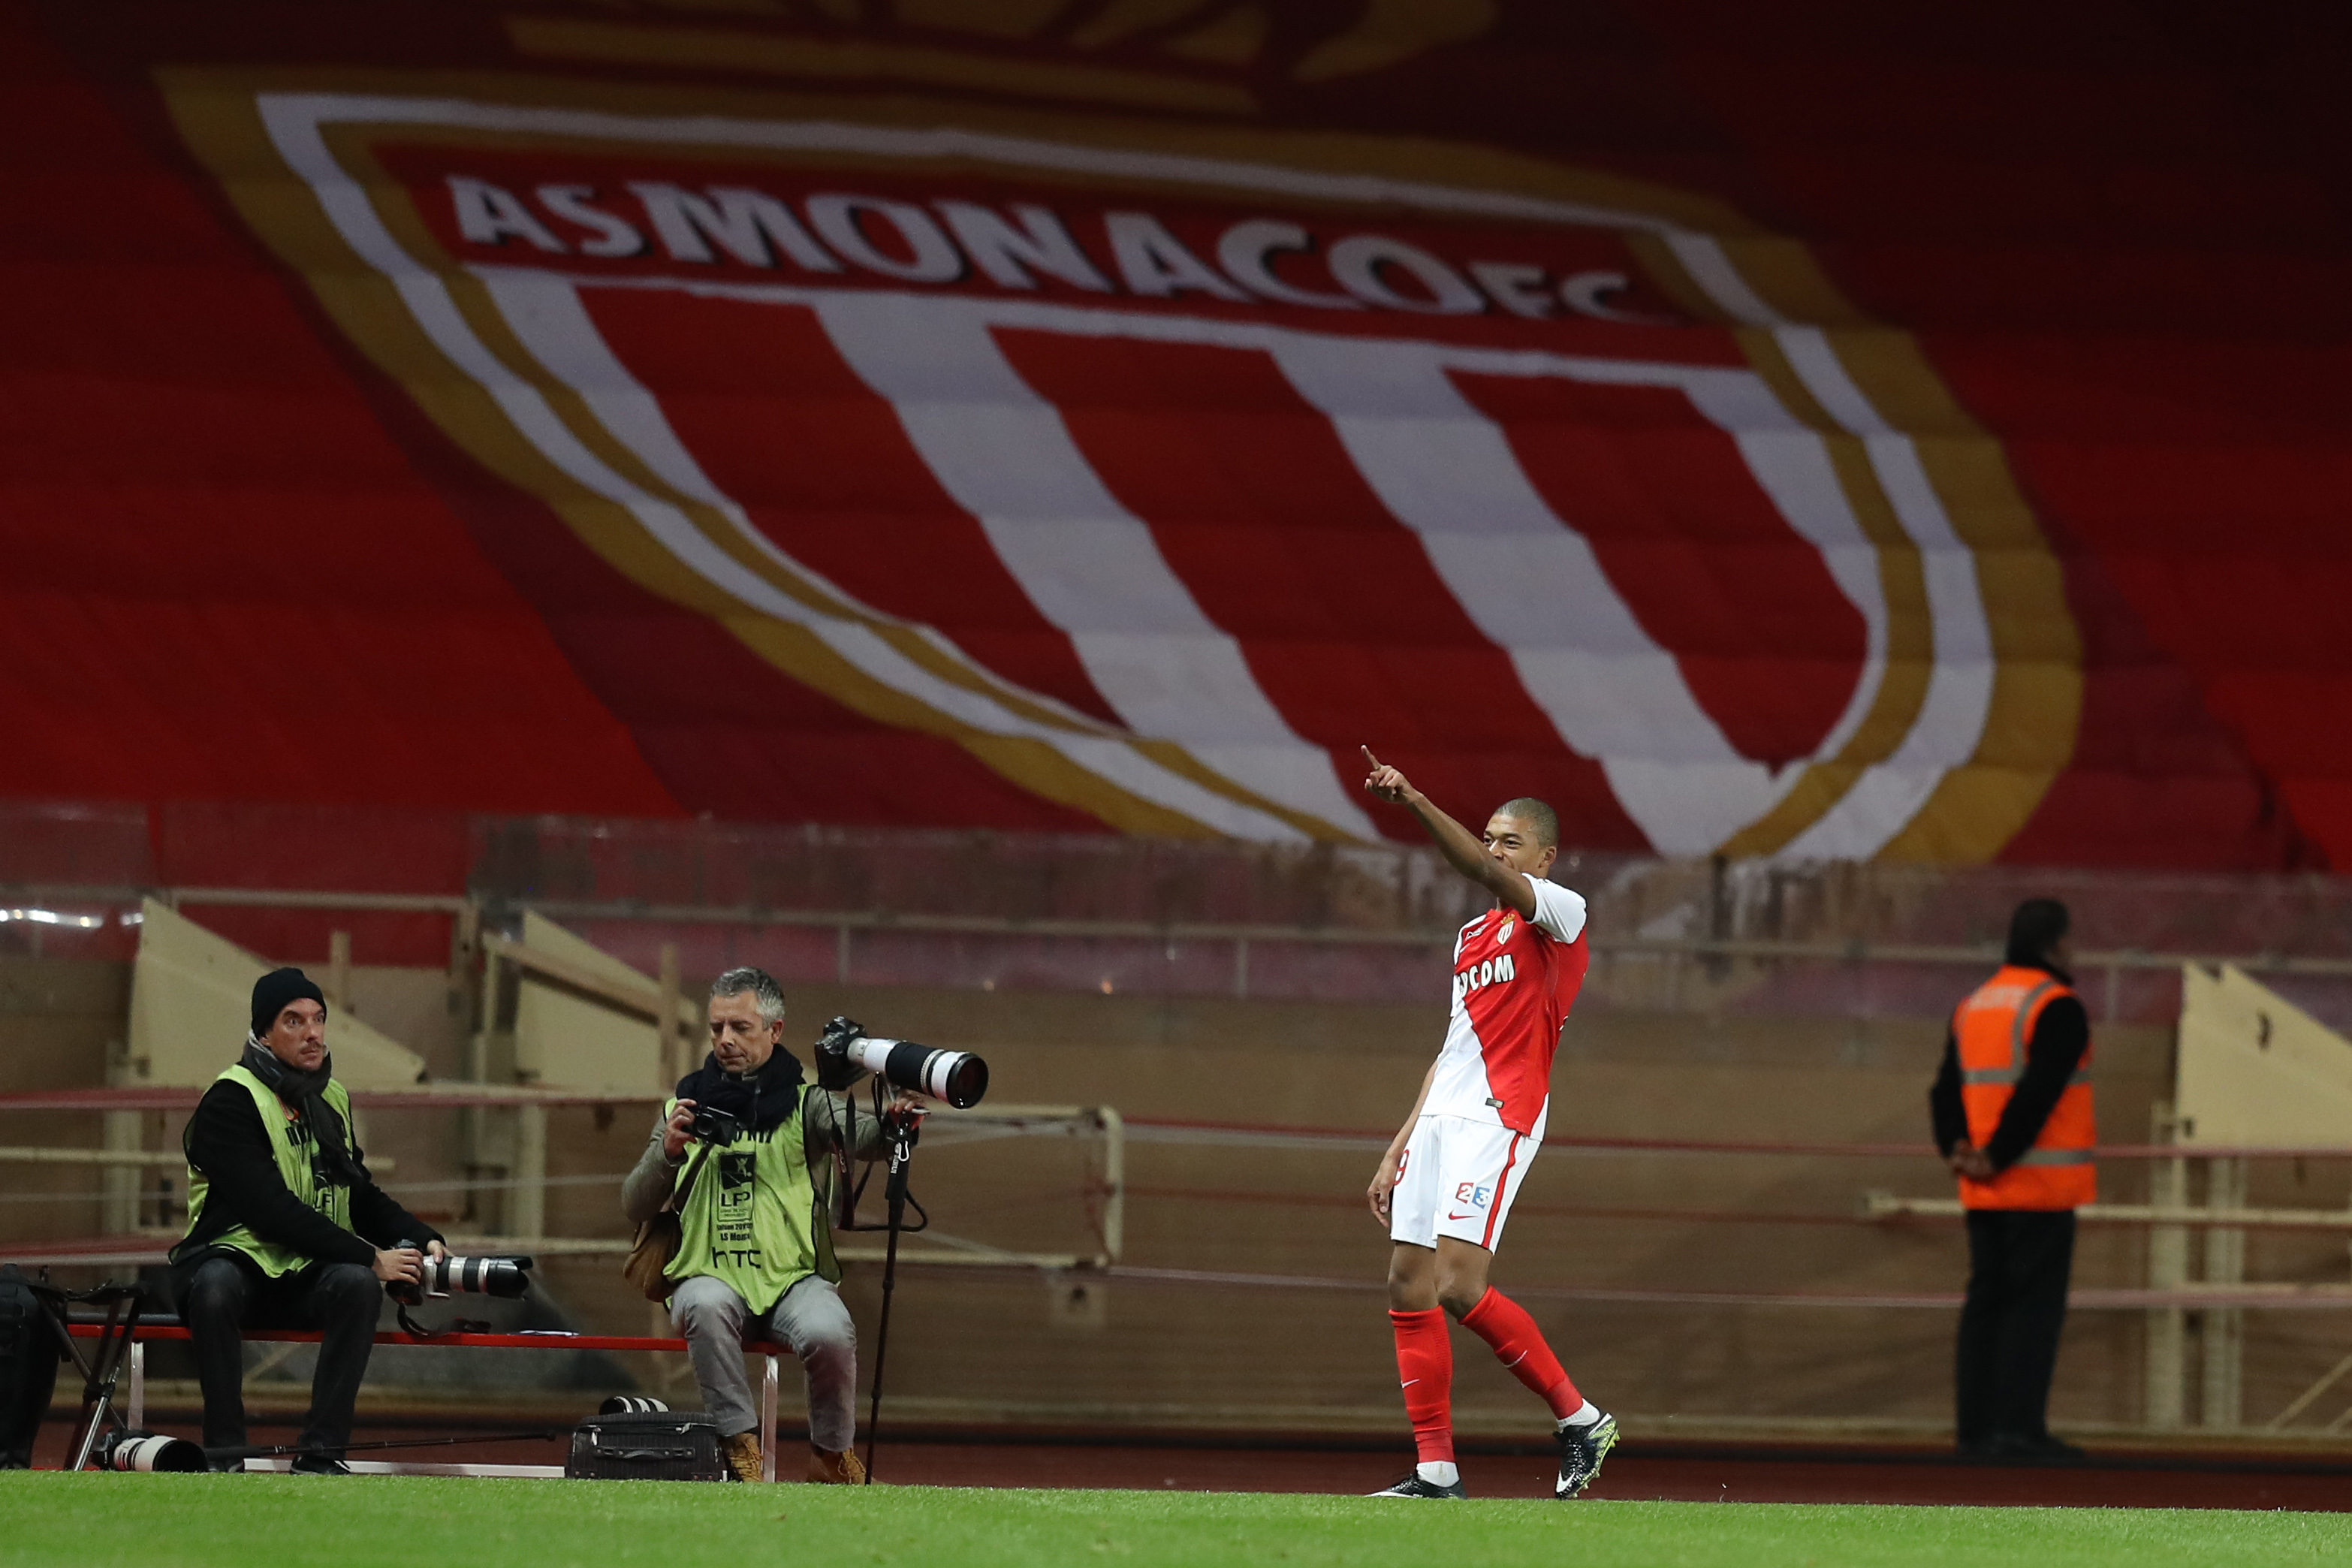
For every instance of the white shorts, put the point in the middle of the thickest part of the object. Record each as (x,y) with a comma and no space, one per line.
(1458,1179)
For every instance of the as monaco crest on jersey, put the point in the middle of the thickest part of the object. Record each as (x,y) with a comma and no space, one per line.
(1160,471)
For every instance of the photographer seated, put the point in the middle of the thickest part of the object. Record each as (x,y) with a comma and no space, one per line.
(755,1251)
(285,1229)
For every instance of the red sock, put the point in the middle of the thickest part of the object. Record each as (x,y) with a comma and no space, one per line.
(1425,1363)
(1504,1324)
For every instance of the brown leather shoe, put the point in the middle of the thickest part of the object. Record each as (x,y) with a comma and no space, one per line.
(842,1470)
(742,1454)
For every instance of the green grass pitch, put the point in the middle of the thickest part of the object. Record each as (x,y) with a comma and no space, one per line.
(283,1521)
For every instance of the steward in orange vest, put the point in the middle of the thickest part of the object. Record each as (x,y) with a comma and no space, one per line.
(2039,1157)
(2014,1121)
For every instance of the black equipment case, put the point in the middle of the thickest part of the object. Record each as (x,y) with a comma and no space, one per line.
(28,1363)
(647,1445)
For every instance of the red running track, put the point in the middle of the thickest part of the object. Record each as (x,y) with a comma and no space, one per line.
(1758,1473)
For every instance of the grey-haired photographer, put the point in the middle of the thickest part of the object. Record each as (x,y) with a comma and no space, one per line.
(742,1162)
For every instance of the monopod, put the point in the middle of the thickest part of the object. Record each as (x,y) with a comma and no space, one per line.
(902,1131)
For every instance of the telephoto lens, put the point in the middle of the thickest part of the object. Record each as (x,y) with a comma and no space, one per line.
(148,1453)
(506,1277)
(844,1050)
(957,1077)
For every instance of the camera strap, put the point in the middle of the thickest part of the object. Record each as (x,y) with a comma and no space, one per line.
(893,1161)
(696,1156)
(851,1186)
(418,1330)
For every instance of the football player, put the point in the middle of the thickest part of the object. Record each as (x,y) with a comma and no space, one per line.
(1445,1188)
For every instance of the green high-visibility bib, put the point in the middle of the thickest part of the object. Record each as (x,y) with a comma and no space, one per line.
(754,1216)
(296,1148)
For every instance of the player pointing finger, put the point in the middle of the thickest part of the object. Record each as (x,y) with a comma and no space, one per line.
(1386,782)
(1445,1184)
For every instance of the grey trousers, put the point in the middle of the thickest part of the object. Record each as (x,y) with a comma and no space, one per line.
(810,1318)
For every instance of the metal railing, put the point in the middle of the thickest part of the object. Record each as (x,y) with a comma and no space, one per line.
(1710,958)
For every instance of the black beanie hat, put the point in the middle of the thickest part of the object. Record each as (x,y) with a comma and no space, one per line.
(277,988)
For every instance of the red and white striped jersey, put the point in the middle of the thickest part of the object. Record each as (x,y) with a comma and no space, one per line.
(1514,981)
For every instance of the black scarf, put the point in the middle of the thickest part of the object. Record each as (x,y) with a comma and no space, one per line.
(306,1092)
(761,1100)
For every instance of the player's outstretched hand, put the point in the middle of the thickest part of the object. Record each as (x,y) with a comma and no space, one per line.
(1385,782)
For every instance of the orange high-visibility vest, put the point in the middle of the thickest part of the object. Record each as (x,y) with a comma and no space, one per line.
(1992,1028)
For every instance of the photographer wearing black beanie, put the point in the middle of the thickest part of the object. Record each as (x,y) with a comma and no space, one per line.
(286,1228)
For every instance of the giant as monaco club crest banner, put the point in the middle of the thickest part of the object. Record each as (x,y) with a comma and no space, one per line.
(1158,466)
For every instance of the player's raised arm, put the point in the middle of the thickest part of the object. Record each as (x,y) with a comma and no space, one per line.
(1462,849)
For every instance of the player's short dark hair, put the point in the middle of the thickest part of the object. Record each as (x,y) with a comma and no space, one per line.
(1536,814)
(2035,929)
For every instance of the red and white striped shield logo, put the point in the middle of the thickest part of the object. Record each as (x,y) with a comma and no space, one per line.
(1160,480)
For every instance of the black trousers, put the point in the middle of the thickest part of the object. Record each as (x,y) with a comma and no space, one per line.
(2019,1262)
(223,1296)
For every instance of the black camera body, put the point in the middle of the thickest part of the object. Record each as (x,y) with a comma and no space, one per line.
(846,1052)
(712,1125)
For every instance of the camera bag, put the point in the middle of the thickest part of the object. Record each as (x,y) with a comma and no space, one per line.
(29,1366)
(647,1445)
(658,1240)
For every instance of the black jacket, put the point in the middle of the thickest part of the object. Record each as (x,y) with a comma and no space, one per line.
(2061,1034)
(226,1140)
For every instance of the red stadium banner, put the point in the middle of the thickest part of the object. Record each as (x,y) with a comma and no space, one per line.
(1014,425)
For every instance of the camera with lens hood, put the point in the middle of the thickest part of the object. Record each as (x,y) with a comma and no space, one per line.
(507,1278)
(846,1052)
(133,1449)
